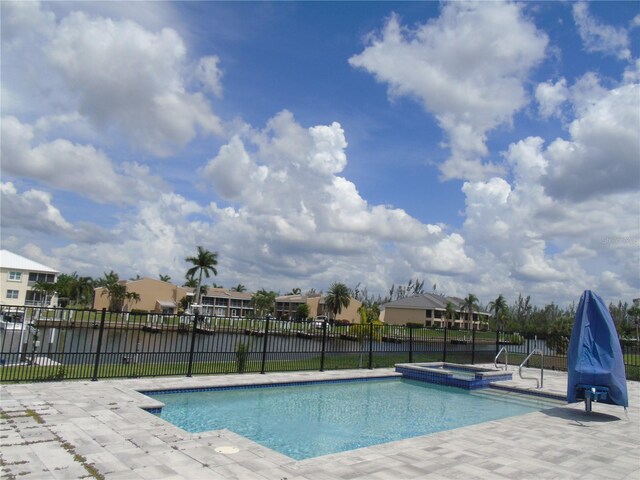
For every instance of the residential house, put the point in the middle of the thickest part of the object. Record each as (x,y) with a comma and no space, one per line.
(287,306)
(156,296)
(18,275)
(430,309)
(222,302)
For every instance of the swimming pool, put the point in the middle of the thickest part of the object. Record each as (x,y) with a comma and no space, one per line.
(305,421)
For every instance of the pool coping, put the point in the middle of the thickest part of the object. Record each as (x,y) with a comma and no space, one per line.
(104,423)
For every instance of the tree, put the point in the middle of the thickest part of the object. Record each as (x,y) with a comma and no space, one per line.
(164,278)
(470,304)
(46,291)
(337,298)
(450,311)
(302,312)
(263,302)
(204,262)
(499,309)
(295,291)
(191,283)
(239,288)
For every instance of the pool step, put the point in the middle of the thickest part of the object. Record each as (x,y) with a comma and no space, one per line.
(519,398)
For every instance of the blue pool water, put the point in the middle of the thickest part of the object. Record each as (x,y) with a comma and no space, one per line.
(312,420)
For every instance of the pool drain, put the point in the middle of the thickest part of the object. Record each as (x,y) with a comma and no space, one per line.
(227,450)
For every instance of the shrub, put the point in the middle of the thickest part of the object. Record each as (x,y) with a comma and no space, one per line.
(414,325)
(242,351)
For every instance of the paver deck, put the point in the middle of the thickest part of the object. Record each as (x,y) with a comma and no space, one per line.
(71,430)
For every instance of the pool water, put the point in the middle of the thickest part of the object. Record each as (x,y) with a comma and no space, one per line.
(313,420)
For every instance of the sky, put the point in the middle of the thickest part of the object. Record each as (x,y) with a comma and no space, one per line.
(487,148)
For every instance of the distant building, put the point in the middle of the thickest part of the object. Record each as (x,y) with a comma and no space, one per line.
(156,296)
(287,306)
(18,275)
(430,310)
(222,302)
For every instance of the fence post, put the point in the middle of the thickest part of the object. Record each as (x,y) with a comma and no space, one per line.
(411,345)
(99,347)
(193,342)
(324,344)
(444,345)
(370,346)
(473,345)
(497,341)
(264,345)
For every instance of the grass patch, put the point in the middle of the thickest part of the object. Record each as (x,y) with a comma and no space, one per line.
(35,415)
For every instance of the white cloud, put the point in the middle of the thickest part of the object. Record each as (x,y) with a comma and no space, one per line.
(209,74)
(551,96)
(467,68)
(77,168)
(130,80)
(598,37)
(295,213)
(31,211)
(602,155)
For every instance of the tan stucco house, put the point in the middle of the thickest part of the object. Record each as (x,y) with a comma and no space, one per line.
(287,305)
(222,302)
(429,310)
(155,296)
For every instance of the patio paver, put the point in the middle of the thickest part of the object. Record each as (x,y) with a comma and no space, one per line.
(98,430)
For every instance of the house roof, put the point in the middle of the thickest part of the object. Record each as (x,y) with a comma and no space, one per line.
(218,292)
(18,262)
(426,301)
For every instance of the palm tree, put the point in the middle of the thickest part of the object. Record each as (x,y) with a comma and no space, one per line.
(191,283)
(263,302)
(451,311)
(295,291)
(164,278)
(499,309)
(470,303)
(204,262)
(46,291)
(239,288)
(337,298)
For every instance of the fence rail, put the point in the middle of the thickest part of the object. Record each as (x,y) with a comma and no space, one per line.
(45,344)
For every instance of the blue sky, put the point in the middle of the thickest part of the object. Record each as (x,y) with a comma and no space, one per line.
(482,147)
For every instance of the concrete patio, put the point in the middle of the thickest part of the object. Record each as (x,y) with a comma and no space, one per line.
(73,430)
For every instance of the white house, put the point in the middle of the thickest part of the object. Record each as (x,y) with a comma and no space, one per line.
(17,277)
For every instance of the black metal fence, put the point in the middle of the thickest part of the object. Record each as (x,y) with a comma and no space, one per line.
(42,344)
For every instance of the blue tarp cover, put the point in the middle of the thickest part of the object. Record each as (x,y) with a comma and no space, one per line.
(595,357)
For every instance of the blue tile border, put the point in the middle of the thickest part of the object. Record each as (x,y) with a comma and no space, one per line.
(445,378)
(264,385)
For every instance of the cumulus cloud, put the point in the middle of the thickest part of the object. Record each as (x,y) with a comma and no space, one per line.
(81,169)
(209,74)
(31,210)
(551,96)
(467,67)
(602,155)
(598,37)
(294,211)
(131,83)
(131,80)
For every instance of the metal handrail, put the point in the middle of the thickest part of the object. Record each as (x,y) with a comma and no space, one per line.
(506,358)
(539,383)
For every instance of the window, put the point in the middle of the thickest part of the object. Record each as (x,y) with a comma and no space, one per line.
(37,298)
(15,276)
(41,277)
(12,294)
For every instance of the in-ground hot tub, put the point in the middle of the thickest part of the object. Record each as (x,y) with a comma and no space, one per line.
(452,374)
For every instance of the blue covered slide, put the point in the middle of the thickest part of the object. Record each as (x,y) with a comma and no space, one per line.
(595,362)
